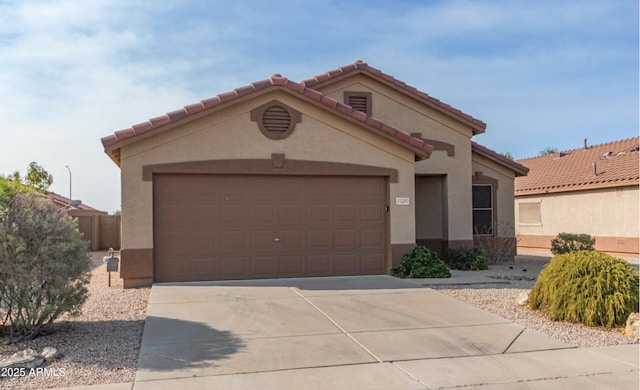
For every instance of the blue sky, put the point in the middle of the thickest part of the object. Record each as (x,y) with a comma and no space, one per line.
(539,73)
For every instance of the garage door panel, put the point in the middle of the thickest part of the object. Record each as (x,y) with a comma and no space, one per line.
(291,265)
(291,214)
(371,238)
(371,213)
(203,241)
(263,266)
(345,213)
(263,215)
(291,239)
(209,227)
(372,263)
(173,267)
(318,265)
(164,243)
(203,216)
(174,215)
(319,239)
(263,239)
(201,267)
(233,267)
(345,239)
(233,214)
(233,240)
(319,214)
(346,264)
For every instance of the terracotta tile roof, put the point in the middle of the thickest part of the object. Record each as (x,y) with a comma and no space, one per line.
(112,143)
(362,67)
(66,202)
(519,169)
(613,164)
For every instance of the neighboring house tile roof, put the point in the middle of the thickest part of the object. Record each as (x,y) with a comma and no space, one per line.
(154,126)
(613,164)
(360,66)
(517,168)
(65,202)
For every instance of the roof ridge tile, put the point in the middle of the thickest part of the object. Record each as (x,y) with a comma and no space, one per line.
(360,65)
(274,80)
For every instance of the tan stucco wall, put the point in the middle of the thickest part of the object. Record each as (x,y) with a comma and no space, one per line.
(604,212)
(230,134)
(409,115)
(504,193)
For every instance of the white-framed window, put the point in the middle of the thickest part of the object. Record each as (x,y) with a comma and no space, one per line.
(530,213)
(483,209)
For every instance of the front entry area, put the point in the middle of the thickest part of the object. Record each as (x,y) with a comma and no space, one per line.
(217,227)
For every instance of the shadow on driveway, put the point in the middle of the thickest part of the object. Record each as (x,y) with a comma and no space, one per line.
(173,344)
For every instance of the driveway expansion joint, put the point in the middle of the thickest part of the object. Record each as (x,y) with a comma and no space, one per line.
(338,326)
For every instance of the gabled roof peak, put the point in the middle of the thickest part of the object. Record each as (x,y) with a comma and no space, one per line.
(360,66)
(113,142)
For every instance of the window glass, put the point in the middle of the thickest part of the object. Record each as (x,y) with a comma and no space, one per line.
(483,209)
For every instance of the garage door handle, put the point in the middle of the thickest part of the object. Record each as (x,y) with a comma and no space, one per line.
(276,239)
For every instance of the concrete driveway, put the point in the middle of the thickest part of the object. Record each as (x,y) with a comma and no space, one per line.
(368,332)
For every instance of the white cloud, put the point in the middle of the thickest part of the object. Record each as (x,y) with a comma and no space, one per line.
(72,72)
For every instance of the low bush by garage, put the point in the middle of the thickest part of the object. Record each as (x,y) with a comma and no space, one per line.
(422,263)
(467,259)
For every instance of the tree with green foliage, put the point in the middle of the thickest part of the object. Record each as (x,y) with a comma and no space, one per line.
(548,150)
(37,177)
(44,263)
(589,287)
(508,156)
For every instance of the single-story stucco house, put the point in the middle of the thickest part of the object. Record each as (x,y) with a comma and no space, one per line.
(340,174)
(593,190)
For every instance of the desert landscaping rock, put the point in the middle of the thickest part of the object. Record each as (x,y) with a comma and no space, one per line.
(101,346)
(633,322)
(523,298)
(502,300)
(26,359)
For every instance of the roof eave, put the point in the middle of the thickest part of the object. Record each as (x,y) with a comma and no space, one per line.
(359,67)
(193,112)
(518,169)
(578,187)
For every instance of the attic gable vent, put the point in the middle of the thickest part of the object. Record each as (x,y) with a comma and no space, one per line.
(275,119)
(359,101)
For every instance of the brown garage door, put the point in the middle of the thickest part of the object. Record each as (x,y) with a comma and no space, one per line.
(211,227)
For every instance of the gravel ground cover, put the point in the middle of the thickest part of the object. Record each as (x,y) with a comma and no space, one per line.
(101,346)
(501,299)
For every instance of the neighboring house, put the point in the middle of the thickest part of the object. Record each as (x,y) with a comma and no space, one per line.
(100,229)
(591,190)
(340,174)
(74,208)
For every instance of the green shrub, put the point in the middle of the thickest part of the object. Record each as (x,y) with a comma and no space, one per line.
(569,242)
(467,258)
(588,287)
(44,266)
(422,263)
